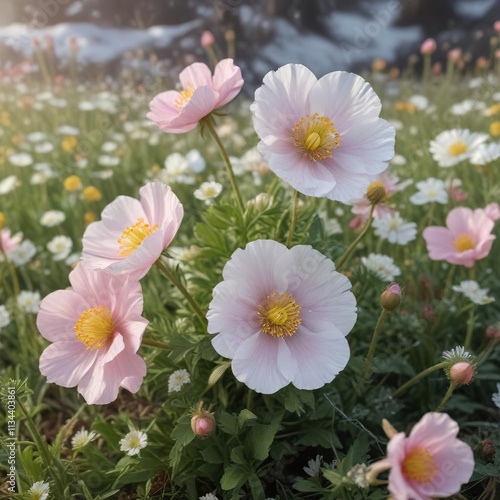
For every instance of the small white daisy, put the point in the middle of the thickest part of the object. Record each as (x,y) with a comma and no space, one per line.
(208,496)
(457,354)
(39,491)
(29,301)
(314,465)
(4,317)
(394,229)
(177,380)
(464,107)
(358,475)
(381,265)
(398,160)
(52,218)
(8,184)
(82,438)
(208,191)
(109,147)
(36,137)
(68,130)
(44,147)
(496,397)
(23,253)
(419,101)
(21,159)
(473,292)
(195,160)
(134,442)
(453,146)
(108,160)
(486,153)
(430,190)
(60,246)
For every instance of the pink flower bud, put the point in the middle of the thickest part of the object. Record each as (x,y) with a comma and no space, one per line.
(493,211)
(493,332)
(458,195)
(496,26)
(488,450)
(437,68)
(455,55)
(356,223)
(462,373)
(207,39)
(391,297)
(202,421)
(428,46)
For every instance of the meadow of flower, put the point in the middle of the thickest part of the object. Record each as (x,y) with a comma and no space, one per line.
(287,295)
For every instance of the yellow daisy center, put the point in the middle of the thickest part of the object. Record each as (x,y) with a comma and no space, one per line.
(94,327)
(463,243)
(279,315)
(184,96)
(316,137)
(457,148)
(133,236)
(419,466)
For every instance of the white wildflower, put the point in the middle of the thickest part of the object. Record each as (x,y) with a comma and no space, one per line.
(60,246)
(473,292)
(177,380)
(381,265)
(82,438)
(208,191)
(52,218)
(394,229)
(430,190)
(134,442)
(29,301)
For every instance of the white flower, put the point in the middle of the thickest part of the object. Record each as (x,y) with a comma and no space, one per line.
(21,159)
(332,225)
(358,475)
(381,265)
(23,253)
(4,317)
(72,259)
(398,160)
(177,380)
(52,218)
(195,161)
(429,191)
(177,170)
(68,130)
(208,496)
(314,466)
(82,438)
(82,162)
(29,301)
(486,153)
(496,396)
(134,442)
(108,160)
(473,292)
(103,174)
(419,101)
(44,147)
(36,136)
(39,491)
(393,228)
(453,146)
(60,246)
(86,106)
(109,147)
(464,107)
(208,191)
(8,184)
(456,354)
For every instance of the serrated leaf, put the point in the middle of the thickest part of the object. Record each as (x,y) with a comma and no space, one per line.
(212,455)
(357,453)
(234,476)
(316,437)
(228,423)
(244,416)
(261,437)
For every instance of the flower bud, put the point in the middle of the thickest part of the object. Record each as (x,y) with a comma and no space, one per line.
(496,26)
(207,39)
(202,421)
(455,55)
(428,46)
(493,332)
(461,373)
(376,192)
(391,297)
(487,450)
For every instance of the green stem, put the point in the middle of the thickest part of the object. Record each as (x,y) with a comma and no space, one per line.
(472,312)
(353,245)
(166,271)
(12,271)
(418,377)
(371,351)
(293,222)
(208,121)
(154,343)
(447,396)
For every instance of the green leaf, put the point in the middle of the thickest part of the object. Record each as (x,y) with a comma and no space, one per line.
(238,455)
(182,435)
(32,468)
(212,455)
(244,416)
(256,487)
(357,453)
(260,438)
(316,437)
(333,476)
(228,423)
(306,486)
(484,470)
(234,476)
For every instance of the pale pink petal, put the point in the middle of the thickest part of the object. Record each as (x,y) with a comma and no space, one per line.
(196,75)
(227,81)
(65,363)
(132,332)
(255,363)
(164,108)
(439,242)
(348,186)
(321,356)
(114,349)
(460,221)
(59,312)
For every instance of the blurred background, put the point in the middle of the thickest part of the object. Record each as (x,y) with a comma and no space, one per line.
(129,38)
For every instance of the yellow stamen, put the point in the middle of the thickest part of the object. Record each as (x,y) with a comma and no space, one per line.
(315,136)
(279,315)
(184,96)
(94,327)
(457,148)
(419,466)
(134,235)
(463,243)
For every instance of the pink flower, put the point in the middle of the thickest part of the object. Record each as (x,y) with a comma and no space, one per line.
(493,211)
(496,26)
(455,55)
(428,46)
(9,242)
(282,316)
(178,112)
(324,137)
(466,238)
(96,329)
(430,462)
(207,39)
(133,233)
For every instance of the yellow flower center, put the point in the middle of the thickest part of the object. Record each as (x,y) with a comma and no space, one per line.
(133,236)
(184,96)
(457,148)
(279,315)
(419,466)
(94,327)
(463,243)
(316,137)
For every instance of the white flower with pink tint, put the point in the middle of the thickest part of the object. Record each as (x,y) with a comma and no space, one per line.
(133,233)
(324,137)
(282,315)
(8,241)
(180,111)
(96,329)
(493,211)
(466,239)
(431,462)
